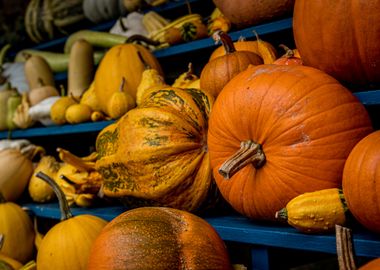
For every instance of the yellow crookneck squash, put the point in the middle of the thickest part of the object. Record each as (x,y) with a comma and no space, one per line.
(157,151)
(122,61)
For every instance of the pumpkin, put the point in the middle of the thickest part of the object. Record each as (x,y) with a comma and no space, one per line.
(216,73)
(276,132)
(290,57)
(262,48)
(339,40)
(17,168)
(361,181)
(122,61)
(17,229)
(315,212)
(373,264)
(243,13)
(157,151)
(158,237)
(67,244)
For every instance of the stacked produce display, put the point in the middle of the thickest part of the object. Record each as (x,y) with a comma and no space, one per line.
(266,130)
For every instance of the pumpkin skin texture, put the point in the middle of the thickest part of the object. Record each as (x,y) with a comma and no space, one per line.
(306,123)
(361,180)
(158,238)
(162,152)
(243,13)
(17,228)
(122,61)
(339,39)
(216,73)
(371,265)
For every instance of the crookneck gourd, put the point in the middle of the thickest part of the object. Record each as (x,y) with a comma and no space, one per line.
(279,131)
(161,150)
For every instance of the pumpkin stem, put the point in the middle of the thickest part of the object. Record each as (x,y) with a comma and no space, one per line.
(121,89)
(1,240)
(122,25)
(190,72)
(63,205)
(288,52)
(226,41)
(31,151)
(344,248)
(146,65)
(249,152)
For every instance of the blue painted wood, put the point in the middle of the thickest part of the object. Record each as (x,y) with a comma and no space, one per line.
(259,257)
(235,35)
(56,130)
(242,230)
(369,97)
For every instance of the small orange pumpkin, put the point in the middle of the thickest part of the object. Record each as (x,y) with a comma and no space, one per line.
(371,265)
(158,238)
(291,57)
(216,73)
(361,181)
(279,131)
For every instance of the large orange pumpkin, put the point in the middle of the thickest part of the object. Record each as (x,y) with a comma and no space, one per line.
(289,130)
(157,152)
(244,13)
(361,181)
(340,38)
(122,61)
(158,238)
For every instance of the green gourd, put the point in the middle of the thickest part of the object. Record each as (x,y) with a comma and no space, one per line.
(12,103)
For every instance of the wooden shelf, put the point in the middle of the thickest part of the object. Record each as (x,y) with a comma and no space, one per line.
(240,229)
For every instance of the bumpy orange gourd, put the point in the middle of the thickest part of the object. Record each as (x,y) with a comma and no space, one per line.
(158,238)
(161,150)
(288,129)
(219,71)
(122,61)
(361,181)
(339,39)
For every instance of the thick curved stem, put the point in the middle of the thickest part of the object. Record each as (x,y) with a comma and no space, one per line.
(63,205)
(226,41)
(344,248)
(249,152)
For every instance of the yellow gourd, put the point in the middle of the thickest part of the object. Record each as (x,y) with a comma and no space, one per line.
(120,102)
(89,98)
(38,190)
(78,113)
(58,109)
(66,246)
(17,229)
(315,212)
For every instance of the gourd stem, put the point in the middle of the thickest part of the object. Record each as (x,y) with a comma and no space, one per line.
(288,52)
(282,214)
(63,205)
(146,65)
(122,25)
(226,41)
(344,248)
(190,72)
(249,152)
(1,240)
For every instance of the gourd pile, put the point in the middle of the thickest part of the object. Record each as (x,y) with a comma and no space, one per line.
(279,137)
